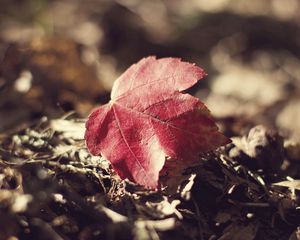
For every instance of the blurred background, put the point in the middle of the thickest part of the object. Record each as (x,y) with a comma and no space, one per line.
(64,55)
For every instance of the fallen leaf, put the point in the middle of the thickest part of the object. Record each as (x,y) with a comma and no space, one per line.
(295,184)
(295,235)
(238,230)
(149,118)
(46,71)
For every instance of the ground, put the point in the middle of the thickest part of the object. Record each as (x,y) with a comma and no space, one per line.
(59,60)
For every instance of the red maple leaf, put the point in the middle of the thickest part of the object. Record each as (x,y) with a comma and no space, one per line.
(149,118)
